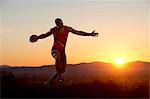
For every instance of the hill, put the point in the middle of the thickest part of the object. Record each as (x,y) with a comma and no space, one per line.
(83,71)
(85,80)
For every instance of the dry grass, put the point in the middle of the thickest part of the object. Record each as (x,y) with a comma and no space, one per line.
(110,86)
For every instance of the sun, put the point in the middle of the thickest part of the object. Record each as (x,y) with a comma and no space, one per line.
(119,60)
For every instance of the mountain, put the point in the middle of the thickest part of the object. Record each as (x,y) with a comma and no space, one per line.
(139,63)
(4,66)
(94,69)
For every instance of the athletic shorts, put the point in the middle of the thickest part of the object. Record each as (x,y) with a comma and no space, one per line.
(60,57)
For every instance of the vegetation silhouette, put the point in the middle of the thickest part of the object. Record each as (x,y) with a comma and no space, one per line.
(133,82)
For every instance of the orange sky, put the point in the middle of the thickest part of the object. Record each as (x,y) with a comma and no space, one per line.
(122,24)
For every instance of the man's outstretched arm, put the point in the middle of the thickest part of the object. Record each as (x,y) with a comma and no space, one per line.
(34,38)
(45,35)
(82,33)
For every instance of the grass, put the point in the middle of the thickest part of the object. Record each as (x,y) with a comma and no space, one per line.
(100,87)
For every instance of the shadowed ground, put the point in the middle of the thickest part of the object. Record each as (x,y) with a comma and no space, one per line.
(75,86)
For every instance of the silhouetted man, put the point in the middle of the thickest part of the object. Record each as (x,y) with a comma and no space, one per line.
(60,33)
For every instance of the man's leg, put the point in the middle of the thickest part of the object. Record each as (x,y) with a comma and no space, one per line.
(53,77)
(60,78)
(62,66)
(59,70)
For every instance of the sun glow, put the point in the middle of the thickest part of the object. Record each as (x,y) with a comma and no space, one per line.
(119,60)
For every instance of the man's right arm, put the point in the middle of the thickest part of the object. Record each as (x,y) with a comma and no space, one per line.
(45,35)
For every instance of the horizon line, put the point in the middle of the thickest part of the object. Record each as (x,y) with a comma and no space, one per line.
(69,64)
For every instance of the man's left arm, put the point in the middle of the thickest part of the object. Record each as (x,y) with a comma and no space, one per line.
(81,32)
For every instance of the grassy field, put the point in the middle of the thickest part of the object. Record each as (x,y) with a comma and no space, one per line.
(121,86)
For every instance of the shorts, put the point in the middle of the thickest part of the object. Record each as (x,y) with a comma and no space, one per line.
(60,57)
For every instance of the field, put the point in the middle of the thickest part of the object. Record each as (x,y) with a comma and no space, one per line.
(28,82)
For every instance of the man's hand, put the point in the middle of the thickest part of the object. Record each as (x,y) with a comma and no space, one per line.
(33,38)
(94,34)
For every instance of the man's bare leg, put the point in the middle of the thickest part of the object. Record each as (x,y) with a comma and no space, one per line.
(53,77)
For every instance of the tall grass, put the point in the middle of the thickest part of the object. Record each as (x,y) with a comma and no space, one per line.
(108,86)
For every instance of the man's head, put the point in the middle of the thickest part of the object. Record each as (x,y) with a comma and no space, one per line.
(59,22)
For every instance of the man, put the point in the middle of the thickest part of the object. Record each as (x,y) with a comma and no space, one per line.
(60,33)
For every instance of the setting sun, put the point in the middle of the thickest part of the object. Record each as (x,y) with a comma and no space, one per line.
(119,60)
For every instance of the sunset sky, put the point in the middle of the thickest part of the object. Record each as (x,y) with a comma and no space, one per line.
(122,24)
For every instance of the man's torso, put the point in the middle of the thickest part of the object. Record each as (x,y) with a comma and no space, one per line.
(60,37)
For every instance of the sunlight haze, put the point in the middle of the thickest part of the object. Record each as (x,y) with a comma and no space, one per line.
(121,24)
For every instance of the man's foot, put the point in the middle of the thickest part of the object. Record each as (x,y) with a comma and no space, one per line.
(47,84)
(61,80)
